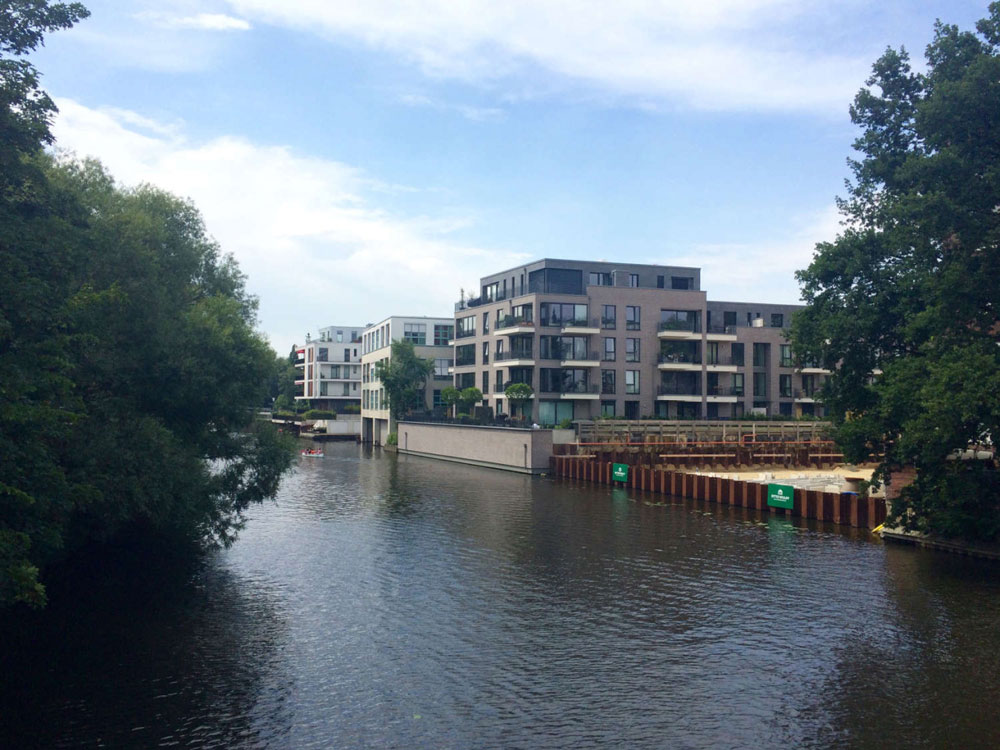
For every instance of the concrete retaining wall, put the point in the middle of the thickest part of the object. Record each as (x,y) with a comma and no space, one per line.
(525,451)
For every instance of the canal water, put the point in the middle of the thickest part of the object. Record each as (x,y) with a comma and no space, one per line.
(389,601)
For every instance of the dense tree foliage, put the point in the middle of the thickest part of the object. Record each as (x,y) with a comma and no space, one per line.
(404,377)
(518,394)
(909,289)
(129,365)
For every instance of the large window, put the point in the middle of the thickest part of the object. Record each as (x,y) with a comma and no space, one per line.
(631,381)
(607,381)
(632,317)
(785,386)
(760,385)
(760,352)
(558,314)
(562,347)
(777,320)
(682,282)
(609,350)
(633,279)
(729,318)
(595,278)
(465,327)
(786,355)
(712,353)
(738,384)
(556,281)
(465,355)
(554,412)
(441,366)
(631,350)
(738,356)
(443,334)
(679,320)
(415,333)
(609,317)
(607,408)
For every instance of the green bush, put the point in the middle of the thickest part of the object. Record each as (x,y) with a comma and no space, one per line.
(392,439)
(352,409)
(566,424)
(320,414)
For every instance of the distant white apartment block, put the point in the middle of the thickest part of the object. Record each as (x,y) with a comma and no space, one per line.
(330,368)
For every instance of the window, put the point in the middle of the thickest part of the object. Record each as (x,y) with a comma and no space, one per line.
(436,401)
(760,385)
(340,337)
(777,320)
(712,353)
(738,356)
(415,333)
(631,350)
(554,412)
(465,380)
(633,280)
(607,381)
(499,382)
(558,315)
(659,282)
(486,322)
(631,381)
(786,355)
(443,334)
(785,408)
(631,410)
(631,318)
(486,381)
(486,352)
(760,352)
(609,350)
(465,327)
(599,279)
(441,366)
(679,320)
(465,355)
(681,282)
(347,355)
(608,317)
(607,408)
(323,354)
(729,318)
(785,386)
(347,389)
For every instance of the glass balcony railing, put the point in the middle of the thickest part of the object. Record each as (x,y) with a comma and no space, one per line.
(688,326)
(518,354)
(677,390)
(679,358)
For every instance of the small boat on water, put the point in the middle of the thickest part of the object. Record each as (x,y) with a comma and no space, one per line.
(313,453)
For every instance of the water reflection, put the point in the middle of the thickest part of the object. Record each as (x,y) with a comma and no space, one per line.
(394,601)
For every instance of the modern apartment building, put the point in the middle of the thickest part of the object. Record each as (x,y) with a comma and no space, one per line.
(431,338)
(330,367)
(626,340)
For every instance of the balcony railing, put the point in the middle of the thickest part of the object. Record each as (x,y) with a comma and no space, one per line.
(582,323)
(588,357)
(609,323)
(679,325)
(724,391)
(510,321)
(464,334)
(679,358)
(464,361)
(517,354)
(571,388)
(731,330)
(720,361)
(810,393)
(608,388)
(676,390)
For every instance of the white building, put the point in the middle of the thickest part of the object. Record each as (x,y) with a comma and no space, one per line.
(430,337)
(330,367)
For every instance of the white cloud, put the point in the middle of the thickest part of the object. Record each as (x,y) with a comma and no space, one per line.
(208,22)
(317,247)
(745,272)
(727,54)
(476,114)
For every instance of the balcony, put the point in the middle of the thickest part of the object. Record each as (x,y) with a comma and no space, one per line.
(721,364)
(723,394)
(579,391)
(678,330)
(518,358)
(720,333)
(591,359)
(464,334)
(581,327)
(465,362)
(678,361)
(677,393)
(511,326)
(811,368)
(809,396)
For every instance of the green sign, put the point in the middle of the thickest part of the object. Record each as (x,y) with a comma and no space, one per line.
(619,472)
(781,496)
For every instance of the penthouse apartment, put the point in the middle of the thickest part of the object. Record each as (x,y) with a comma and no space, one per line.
(331,368)
(431,339)
(627,340)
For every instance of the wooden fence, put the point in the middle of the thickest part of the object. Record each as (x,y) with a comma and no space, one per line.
(847,509)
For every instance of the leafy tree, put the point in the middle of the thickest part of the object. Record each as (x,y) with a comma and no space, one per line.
(518,394)
(903,303)
(129,365)
(468,398)
(451,397)
(404,378)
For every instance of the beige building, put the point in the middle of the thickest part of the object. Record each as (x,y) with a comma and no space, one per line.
(626,340)
(330,368)
(431,338)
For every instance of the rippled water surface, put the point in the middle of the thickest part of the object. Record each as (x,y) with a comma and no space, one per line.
(403,602)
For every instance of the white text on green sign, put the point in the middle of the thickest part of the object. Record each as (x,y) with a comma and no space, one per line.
(781,496)
(619,472)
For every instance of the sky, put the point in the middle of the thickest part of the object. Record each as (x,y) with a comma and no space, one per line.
(367,159)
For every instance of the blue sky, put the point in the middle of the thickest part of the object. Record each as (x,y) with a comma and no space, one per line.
(368,159)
